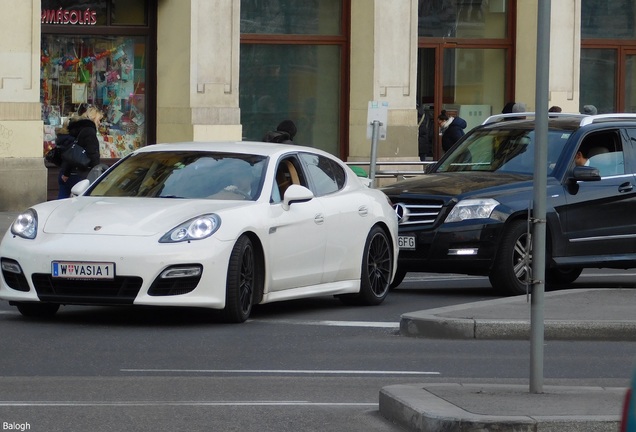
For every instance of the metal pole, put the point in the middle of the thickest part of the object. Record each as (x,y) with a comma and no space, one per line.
(539,207)
(374,151)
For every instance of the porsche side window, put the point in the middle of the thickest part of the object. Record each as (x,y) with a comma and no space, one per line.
(287,174)
(326,175)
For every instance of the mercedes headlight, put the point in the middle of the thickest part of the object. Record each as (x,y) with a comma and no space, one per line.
(195,229)
(472,209)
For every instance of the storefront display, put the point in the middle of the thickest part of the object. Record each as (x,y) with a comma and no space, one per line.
(107,72)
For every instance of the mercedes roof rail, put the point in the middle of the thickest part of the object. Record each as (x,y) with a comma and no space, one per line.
(605,117)
(524,115)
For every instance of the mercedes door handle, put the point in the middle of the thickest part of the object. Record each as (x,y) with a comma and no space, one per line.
(319,219)
(626,187)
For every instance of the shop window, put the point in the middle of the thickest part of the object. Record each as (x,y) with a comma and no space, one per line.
(129,12)
(603,19)
(473,88)
(296,82)
(107,72)
(476,19)
(317,17)
(598,83)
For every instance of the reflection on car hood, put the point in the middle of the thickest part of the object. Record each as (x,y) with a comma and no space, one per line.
(126,216)
(453,184)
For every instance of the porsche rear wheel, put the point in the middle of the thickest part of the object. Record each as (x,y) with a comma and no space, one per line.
(399,277)
(244,280)
(377,265)
(37,310)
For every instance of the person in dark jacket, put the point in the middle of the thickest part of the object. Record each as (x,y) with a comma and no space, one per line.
(84,130)
(284,133)
(452,129)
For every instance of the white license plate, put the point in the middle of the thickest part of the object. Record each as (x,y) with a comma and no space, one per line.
(82,270)
(406,242)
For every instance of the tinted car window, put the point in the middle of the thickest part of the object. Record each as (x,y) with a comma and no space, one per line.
(180,174)
(604,151)
(502,150)
(326,175)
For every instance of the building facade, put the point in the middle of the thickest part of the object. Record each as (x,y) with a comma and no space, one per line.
(181,70)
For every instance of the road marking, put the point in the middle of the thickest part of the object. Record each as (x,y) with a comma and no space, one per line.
(366,324)
(280,371)
(176,403)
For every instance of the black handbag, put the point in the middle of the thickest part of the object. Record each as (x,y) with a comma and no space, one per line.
(54,156)
(76,157)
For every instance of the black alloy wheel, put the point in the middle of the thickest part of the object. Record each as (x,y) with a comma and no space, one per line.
(244,279)
(513,264)
(377,265)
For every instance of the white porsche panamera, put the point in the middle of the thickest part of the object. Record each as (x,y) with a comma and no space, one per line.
(216,225)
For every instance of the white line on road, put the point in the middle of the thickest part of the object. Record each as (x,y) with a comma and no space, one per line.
(175,403)
(280,371)
(367,324)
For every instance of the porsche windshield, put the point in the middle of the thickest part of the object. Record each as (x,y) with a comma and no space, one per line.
(502,150)
(183,174)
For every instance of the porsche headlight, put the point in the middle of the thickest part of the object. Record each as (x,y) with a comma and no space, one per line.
(195,229)
(472,209)
(26,224)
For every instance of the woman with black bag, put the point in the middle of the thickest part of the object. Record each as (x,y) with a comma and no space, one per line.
(82,130)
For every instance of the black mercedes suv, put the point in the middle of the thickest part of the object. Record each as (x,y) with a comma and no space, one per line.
(469,214)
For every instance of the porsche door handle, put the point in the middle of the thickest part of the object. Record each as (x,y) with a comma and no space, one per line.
(626,187)
(319,219)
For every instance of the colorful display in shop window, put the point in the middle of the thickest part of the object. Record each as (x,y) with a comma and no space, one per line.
(103,76)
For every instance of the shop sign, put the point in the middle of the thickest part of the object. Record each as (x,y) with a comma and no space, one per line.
(69,16)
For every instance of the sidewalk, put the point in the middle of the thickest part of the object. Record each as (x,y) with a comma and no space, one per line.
(580,314)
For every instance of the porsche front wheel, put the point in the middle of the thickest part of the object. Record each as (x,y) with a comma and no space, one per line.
(244,279)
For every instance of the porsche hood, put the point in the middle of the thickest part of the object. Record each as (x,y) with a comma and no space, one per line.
(125,216)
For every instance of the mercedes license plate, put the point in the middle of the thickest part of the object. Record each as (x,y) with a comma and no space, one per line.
(82,270)
(406,242)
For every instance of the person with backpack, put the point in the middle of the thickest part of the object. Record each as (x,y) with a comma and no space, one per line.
(284,133)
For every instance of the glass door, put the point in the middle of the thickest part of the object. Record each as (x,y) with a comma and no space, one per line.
(465,82)
(630,81)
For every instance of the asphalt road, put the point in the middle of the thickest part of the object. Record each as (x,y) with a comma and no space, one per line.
(313,365)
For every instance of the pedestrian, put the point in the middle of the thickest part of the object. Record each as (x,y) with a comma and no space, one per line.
(284,133)
(589,110)
(451,128)
(507,109)
(555,109)
(519,107)
(514,107)
(424,133)
(82,129)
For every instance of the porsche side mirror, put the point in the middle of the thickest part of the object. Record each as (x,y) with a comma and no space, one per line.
(80,187)
(296,194)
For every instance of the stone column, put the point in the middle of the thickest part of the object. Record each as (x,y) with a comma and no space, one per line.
(198,70)
(565,48)
(23,175)
(384,68)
